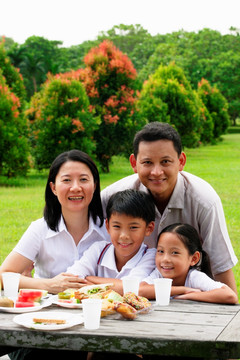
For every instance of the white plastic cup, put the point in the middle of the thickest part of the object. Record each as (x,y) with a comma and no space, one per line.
(91,313)
(162,291)
(10,284)
(130,284)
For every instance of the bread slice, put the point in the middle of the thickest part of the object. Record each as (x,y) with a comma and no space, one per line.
(6,302)
(49,321)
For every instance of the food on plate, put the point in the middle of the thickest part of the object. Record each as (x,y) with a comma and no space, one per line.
(126,310)
(107,308)
(29,297)
(66,294)
(49,321)
(138,302)
(94,289)
(6,302)
(128,305)
(22,304)
(112,295)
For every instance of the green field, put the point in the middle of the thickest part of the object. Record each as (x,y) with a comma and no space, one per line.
(22,201)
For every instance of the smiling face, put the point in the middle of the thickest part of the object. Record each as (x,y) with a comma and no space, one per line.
(173,259)
(74,186)
(157,165)
(127,234)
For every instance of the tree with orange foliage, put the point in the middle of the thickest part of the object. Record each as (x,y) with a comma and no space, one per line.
(110,82)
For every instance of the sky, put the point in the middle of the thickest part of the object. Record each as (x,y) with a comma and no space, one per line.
(75,21)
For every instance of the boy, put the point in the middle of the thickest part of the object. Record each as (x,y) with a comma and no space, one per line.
(130,217)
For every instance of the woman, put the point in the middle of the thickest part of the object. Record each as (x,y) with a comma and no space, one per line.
(73,220)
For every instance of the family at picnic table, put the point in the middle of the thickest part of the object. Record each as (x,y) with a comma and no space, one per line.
(159,222)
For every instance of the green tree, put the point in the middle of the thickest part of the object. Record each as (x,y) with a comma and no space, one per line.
(216,105)
(225,75)
(60,120)
(12,76)
(14,148)
(168,97)
(206,54)
(35,59)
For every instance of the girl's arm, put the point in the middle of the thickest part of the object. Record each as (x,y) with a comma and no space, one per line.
(223,295)
(148,291)
(18,263)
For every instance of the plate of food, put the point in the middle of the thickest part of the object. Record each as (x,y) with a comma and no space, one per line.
(128,306)
(28,300)
(71,298)
(48,320)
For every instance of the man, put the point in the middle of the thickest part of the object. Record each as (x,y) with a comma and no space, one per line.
(158,162)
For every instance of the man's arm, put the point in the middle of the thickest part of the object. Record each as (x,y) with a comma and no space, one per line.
(227,277)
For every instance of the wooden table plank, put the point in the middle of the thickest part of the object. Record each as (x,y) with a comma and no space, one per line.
(232,330)
(182,328)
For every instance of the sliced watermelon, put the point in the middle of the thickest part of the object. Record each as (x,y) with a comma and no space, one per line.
(26,295)
(20,304)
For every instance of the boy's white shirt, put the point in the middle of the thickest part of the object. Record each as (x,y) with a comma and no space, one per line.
(195,279)
(140,265)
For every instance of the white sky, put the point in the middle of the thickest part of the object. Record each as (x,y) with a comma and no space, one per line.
(74,21)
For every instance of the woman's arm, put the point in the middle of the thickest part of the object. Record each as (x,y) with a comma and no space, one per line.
(19,263)
(223,295)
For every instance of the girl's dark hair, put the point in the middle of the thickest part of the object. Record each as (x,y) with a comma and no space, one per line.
(154,131)
(52,210)
(191,240)
(132,203)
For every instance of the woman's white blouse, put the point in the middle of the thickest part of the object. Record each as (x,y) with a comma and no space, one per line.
(53,252)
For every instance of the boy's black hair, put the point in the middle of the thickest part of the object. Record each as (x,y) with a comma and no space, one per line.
(154,131)
(191,240)
(132,203)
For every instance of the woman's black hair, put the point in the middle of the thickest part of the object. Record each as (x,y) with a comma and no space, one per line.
(52,210)
(191,240)
(132,203)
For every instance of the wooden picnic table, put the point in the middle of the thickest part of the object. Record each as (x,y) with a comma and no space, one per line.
(184,328)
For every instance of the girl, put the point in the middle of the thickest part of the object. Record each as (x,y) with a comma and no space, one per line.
(180,257)
(72,221)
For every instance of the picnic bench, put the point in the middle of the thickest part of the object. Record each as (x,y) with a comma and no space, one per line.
(184,328)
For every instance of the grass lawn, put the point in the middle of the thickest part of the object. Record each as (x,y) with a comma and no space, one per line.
(23,201)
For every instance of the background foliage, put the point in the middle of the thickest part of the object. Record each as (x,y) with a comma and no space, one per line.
(191,78)
(13,124)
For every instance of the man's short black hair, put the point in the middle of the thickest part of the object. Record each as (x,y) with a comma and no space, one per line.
(154,131)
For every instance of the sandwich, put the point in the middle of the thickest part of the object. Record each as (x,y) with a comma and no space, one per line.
(92,291)
(49,321)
